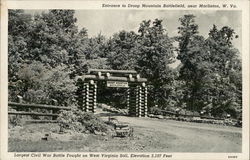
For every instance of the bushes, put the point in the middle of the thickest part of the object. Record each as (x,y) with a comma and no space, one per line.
(38,83)
(155,110)
(92,123)
(15,120)
(80,121)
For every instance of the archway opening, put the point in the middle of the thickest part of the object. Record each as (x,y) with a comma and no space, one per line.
(115,97)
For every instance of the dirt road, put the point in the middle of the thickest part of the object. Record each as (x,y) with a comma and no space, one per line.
(192,137)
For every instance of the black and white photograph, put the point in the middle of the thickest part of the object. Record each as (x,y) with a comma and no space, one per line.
(130,81)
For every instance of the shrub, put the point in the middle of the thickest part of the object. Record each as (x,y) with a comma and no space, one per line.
(156,111)
(80,121)
(38,83)
(14,121)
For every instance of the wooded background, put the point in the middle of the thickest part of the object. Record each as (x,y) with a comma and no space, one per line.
(47,51)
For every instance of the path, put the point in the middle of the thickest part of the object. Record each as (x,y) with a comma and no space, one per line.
(192,137)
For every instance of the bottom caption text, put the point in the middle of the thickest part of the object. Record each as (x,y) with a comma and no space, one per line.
(92,155)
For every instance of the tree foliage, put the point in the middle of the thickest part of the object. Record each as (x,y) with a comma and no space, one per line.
(39,47)
(149,52)
(156,54)
(210,67)
(123,51)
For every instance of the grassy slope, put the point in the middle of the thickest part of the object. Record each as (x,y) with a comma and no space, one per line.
(28,138)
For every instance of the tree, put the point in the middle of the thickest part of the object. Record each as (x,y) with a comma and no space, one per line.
(95,47)
(224,84)
(123,52)
(42,44)
(77,55)
(40,84)
(209,69)
(150,52)
(88,53)
(53,37)
(19,25)
(156,53)
(191,54)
